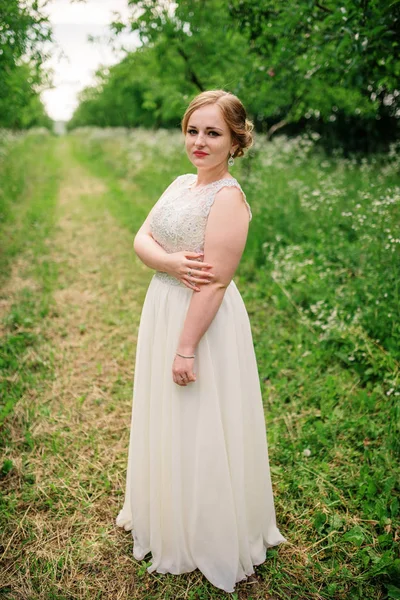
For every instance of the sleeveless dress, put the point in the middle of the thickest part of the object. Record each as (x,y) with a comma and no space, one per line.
(198,486)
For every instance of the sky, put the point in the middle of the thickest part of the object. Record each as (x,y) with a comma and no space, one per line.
(74,59)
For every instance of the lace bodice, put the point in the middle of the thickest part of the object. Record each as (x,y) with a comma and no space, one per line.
(179,217)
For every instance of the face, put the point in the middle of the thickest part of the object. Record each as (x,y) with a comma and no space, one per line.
(208,139)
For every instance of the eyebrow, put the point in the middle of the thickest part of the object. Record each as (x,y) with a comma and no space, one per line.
(194,127)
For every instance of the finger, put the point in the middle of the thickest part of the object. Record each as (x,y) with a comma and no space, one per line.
(187,378)
(202,277)
(188,280)
(176,378)
(195,275)
(190,284)
(181,377)
(200,273)
(198,265)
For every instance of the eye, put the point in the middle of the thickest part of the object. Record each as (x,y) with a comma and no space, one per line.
(194,131)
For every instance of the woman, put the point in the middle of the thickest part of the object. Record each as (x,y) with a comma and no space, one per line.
(198,488)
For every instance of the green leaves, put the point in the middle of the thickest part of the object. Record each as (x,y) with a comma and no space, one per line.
(331,68)
(393,592)
(354,535)
(24,29)
(346,46)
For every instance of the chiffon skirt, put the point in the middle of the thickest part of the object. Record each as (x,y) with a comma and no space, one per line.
(198,487)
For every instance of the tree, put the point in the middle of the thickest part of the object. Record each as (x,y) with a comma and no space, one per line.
(182,53)
(323,60)
(23,31)
(299,65)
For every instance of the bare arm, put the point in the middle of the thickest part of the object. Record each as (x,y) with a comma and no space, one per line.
(225,240)
(147,249)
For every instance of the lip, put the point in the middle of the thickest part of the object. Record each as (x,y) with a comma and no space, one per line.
(199,153)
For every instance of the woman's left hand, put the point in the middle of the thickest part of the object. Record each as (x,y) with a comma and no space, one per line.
(182,370)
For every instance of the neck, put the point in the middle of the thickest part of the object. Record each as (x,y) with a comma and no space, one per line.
(206,176)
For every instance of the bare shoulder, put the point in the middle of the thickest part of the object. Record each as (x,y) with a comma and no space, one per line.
(230,191)
(233,197)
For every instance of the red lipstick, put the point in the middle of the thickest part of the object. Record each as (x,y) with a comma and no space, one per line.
(199,153)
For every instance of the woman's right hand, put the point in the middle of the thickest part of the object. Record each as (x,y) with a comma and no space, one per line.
(179,263)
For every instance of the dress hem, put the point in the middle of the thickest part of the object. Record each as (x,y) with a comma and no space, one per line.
(139,554)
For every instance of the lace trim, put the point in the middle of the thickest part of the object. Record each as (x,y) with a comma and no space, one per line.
(166,278)
(210,189)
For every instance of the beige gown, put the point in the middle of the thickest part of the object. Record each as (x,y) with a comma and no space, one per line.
(198,487)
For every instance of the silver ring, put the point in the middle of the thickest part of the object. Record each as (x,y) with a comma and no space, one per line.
(189,272)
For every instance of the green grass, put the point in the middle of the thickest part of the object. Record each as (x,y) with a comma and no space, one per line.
(319,278)
(29,177)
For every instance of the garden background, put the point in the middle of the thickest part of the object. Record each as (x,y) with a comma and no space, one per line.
(319,277)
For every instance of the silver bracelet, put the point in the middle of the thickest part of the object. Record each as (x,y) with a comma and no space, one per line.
(185,356)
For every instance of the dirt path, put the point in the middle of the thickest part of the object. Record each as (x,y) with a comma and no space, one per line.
(66,539)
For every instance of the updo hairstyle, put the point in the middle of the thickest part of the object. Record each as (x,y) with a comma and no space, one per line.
(234,115)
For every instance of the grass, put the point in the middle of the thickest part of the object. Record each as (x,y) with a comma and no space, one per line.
(314,268)
(29,180)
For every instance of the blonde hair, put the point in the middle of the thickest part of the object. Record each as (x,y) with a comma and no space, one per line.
(233,112)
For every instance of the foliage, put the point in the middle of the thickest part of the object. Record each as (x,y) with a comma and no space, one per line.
(24,29)
(127,96)
(324,61)
(352,47)
(181,54)
(304,65)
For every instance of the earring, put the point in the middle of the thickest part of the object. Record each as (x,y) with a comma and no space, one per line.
(231,162)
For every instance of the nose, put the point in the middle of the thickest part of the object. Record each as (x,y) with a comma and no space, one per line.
(199,141)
